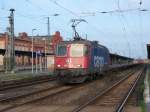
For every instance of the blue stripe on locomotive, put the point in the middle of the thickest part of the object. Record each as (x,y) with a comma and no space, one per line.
(99,57)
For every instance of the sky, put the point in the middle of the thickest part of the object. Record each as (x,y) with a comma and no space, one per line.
(125,33)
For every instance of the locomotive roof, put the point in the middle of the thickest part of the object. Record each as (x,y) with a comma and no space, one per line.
(83,42)
(79,42)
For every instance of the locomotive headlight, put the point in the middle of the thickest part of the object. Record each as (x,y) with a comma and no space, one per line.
(58,65)
(79,65)
(68,60)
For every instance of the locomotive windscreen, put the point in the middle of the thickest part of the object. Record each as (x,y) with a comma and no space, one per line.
(78,50)
(61,50)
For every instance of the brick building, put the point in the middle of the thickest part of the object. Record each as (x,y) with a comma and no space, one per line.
(23,48)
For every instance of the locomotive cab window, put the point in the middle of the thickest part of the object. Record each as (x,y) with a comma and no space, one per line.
(61,50)
(86,51)
(78,50)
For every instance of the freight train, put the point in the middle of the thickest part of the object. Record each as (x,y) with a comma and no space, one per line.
(79,60)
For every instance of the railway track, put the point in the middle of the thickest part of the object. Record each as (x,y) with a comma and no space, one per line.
(33,97)
(114,98)
(36,96)
(19,100)
(24,83)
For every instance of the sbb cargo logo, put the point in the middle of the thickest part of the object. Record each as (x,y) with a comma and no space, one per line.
(98,61)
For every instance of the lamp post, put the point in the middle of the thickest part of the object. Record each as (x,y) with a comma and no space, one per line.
(45,64)
(36,62)
(32,48)
(48,24)
(48,35)
(45,56)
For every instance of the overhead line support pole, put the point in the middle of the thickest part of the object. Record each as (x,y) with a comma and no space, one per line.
(11,42)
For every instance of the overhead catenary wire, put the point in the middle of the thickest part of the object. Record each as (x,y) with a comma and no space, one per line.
(75,14)
(32,18)
(141,29)
(61,6)
(35,18)
(125,35)
(21,15)
(139,9)
(36,6)
(123,27)
(78,16)
(141,43)
(127,24)
(120,12)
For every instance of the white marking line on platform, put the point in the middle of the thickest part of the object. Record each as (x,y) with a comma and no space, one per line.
(146,91)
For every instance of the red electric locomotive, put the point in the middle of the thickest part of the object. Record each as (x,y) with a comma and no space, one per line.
(76,61)
(79,60)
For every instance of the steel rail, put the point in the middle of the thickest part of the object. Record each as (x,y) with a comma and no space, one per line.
(28,94)
(35,100)
(27,83)
(42,98)
(124,101)
(79,108)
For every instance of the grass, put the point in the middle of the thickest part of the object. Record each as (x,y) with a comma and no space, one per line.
(142,103)
(142,87)
(143,106)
